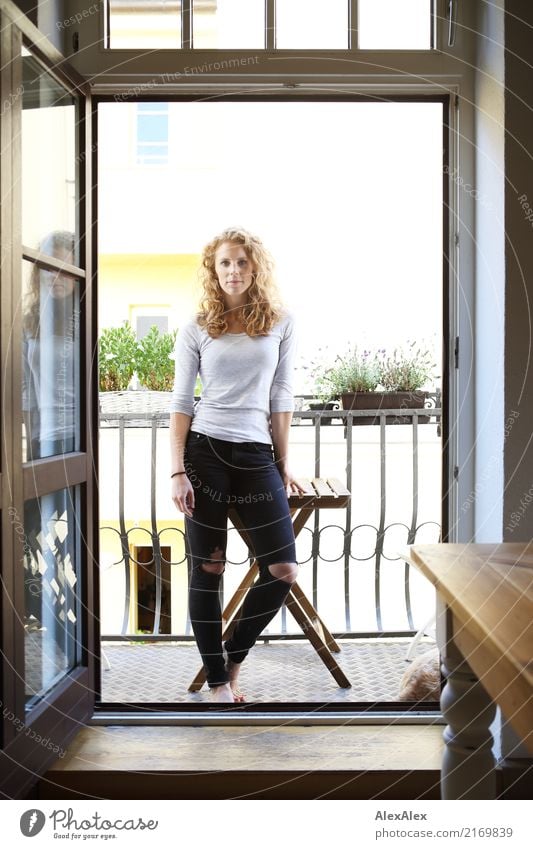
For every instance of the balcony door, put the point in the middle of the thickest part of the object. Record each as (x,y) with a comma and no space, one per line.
(47,461)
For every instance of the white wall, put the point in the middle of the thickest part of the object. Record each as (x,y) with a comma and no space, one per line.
(518,493)
(489,233)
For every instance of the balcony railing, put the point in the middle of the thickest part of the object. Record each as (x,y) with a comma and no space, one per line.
(366,551)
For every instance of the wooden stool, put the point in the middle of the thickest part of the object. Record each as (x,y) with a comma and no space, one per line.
(319,493)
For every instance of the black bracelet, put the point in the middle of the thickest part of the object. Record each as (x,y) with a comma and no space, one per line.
(178,473)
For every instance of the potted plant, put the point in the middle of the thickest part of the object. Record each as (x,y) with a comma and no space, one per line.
(151,359)
(372,380)
(154,367)
(353,376)
(325,397)
(403,374)
(117,352)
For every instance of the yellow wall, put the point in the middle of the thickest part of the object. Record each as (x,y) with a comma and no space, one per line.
(126,281)
(165,280)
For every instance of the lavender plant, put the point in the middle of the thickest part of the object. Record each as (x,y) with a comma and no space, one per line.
(406,370)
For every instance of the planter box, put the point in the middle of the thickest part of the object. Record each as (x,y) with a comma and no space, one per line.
(143,402)
(385,401)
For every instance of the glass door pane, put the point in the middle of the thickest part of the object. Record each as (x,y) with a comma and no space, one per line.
(50,354)
(312,24)
(394,25)
(51,586)
(50,160)
(148,25)
(237,24)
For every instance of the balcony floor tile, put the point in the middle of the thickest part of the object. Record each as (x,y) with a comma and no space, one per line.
(275,671)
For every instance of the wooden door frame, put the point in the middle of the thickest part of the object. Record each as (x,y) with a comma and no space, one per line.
(30,740)
(446,98)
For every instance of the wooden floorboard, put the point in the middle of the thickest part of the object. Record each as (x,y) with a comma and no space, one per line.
(171,762)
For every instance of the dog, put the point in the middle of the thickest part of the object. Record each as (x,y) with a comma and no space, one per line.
(421,680)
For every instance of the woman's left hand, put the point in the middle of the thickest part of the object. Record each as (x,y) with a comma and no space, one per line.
(292,487)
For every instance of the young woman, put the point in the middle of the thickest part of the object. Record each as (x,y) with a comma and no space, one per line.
(232,449)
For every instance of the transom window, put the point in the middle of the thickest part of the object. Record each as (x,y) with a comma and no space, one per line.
(271,24)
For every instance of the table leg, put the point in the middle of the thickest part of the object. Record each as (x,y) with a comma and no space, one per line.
(468,766)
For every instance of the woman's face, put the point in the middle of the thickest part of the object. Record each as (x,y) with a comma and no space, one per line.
(234,270)
(59,285)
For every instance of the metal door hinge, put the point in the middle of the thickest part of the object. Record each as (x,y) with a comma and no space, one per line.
(456,352)
(455,472)
(452,21)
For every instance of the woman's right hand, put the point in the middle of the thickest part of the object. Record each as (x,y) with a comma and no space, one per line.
(183,494)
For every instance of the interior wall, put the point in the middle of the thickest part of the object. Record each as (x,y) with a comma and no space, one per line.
(489,240)
(518,449)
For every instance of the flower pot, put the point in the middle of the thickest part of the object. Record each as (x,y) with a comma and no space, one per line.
(325,405)
(385,401)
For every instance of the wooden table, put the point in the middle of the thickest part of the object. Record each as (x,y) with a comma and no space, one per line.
(320,493)
(485,635)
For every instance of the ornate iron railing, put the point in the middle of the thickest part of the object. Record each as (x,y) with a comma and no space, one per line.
(157,419)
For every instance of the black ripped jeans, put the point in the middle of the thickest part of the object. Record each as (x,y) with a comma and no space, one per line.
(243,476)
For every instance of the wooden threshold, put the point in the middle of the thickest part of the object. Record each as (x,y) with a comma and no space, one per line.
(170,762)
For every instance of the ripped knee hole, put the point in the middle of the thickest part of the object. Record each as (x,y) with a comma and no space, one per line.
(217,564)
(284,571)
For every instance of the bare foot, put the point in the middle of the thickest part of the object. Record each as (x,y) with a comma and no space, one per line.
(224,693)
(233,672)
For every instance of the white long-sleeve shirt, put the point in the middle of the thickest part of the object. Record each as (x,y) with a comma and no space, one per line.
(244,379)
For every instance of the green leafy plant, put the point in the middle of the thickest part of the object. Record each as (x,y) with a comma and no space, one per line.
(406,370)
(154,367)
(117,351)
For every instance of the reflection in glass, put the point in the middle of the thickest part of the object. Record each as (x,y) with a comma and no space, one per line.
(236,24)
(390,25)
(51,569)
(49,158)
(312,24)
(155,25)
(50,354)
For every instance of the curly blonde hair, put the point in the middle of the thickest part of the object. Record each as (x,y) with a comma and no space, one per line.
(263,308)
(56,240)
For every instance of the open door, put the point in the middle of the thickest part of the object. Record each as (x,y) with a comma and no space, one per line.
(49,391)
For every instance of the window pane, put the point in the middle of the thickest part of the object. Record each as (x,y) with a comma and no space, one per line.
(49,166)
(152,133)
(312,24)
(50,354)
(390,24)
(144,324)
(51,582)
(237,24)
(155,24)
(152,128)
